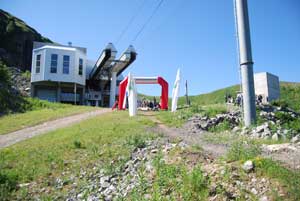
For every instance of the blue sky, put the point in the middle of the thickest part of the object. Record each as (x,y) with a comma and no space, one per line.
(197,36)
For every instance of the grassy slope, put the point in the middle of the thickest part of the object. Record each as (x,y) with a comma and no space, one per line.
(290,93)
(41,111)
(73,148)
(214,97)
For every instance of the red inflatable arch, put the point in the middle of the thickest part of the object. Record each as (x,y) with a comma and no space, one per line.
(146,80)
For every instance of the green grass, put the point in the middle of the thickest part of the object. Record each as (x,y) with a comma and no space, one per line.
(172,182)
(99,140)
(289,179)
(290,94)
(41,111)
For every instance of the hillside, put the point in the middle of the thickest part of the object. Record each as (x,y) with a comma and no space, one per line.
(214,97)
(16,41)
(290,95)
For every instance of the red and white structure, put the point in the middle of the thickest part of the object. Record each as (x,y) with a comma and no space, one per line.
(145,80)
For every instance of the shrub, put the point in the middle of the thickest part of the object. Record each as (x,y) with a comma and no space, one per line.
(77,144)
(280,103)
(26,74)
(8,183)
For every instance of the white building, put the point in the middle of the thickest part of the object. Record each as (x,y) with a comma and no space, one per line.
(267,85)
(63,74)
(58,72)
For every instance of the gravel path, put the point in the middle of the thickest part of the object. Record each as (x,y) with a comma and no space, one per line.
(26,133)
(287,154)
(215,150)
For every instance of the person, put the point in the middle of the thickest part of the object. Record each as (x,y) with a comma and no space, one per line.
(151,105)
(259,98)
(238,99)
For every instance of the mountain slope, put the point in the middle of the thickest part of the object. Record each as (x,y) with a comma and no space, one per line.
(16,41)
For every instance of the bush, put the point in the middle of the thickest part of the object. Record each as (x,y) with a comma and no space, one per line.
(26,74)
(8,183)
(280,103)
(5,76)
(77,144)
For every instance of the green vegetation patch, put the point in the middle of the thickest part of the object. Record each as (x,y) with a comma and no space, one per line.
(290,95)
(38,111)
(290,179)
(172,182)
(215,97)
(100,140)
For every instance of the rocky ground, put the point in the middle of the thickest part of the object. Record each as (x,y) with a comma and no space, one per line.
(20,81)
(227,181)
(224,180)
(271,128)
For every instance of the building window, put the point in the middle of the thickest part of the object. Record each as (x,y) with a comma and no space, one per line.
(38,64)
(66,64)
(80,66)
(53,68)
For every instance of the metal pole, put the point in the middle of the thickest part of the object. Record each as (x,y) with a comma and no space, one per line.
(75,89)
(186,93)
(113,85)
(246,63)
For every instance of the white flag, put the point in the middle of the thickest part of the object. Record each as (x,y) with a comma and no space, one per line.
(132,95)
(175,92)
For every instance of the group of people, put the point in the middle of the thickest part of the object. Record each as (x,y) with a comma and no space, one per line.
(239,99)
(236,101)
(148,105)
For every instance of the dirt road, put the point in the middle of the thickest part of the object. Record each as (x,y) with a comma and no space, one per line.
(23,134)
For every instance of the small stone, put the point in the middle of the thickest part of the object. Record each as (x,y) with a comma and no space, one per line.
(108,198)
(295,139)
(147,196)
(248,166)
(275,137)
(104,184)
(24,185)
(263,198)
(80,195)
(254,191)
(154,151)
(236,129)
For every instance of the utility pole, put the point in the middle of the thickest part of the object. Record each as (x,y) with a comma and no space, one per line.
(246,63)
(186,93)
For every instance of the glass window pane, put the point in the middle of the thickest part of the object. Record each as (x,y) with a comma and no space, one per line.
(38,63)
(53,68)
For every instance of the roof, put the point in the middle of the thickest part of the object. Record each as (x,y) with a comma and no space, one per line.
(40,45)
